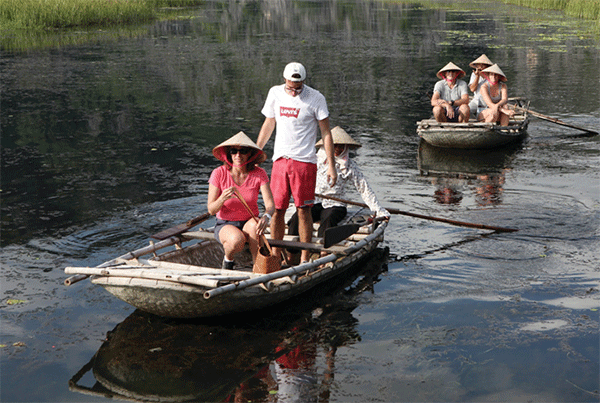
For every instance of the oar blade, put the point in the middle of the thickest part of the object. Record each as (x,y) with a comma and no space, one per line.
(337,234)
(181,228)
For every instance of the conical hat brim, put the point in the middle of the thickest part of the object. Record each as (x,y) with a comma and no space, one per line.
(239,140)
(483,59)
(449,67)
(340,136)
(494,69)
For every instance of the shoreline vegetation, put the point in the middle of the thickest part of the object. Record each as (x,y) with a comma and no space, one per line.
(60,14)
(26,24)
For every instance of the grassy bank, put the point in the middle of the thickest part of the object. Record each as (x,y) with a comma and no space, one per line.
(587,9)
(56,14)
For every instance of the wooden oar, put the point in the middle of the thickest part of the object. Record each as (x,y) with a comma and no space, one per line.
(396,211)
(178,229)
(551,119)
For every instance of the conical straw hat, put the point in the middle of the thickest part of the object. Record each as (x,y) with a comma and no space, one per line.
(449,67)
(239,140)
(483,59)
(340,136)
(494,69)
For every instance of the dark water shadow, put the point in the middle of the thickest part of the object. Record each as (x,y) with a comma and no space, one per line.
(150,358)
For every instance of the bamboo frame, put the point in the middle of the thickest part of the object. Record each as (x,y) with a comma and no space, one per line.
(150,273)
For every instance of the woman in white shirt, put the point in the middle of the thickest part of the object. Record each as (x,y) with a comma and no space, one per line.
(478,65)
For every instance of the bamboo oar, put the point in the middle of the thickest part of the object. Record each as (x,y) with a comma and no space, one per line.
(396,211)
(551,119)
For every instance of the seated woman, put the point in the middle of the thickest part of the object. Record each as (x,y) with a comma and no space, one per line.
(476,81)
(240,172)
(450,100)
(495,95)
(329,212)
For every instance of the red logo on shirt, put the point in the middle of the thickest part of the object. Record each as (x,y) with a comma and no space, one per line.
(289,112)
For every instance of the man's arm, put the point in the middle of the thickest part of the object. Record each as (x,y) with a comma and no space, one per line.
(329,150)
(265,132)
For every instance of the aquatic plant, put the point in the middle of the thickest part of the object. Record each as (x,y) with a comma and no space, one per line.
(588,9)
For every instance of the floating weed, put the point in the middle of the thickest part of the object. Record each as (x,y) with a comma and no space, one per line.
(15,301)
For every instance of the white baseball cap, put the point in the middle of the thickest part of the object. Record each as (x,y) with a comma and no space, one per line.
(294,72)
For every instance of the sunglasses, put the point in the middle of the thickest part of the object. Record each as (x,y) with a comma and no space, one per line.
(293,91)
(243,151)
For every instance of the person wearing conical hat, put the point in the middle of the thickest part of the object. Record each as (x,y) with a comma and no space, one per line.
(494,93)
(329,212)
(476,81)
(239,174)
(297,113)
(450,100)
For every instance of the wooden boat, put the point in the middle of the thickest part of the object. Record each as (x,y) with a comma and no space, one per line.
(474,135)
(183,278)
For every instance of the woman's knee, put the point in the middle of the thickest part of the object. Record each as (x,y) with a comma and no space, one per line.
(232,238)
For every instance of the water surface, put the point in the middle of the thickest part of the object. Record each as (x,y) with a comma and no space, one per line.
(106,143)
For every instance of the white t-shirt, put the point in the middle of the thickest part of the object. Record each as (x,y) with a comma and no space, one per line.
(297,122)
(477,99)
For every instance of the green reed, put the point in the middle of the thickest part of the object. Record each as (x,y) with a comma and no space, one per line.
(52,14)
(588,9)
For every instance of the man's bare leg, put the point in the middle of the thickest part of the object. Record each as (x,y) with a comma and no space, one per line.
(305,229)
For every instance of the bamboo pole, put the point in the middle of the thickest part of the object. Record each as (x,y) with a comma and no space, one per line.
(551,119)
(153,274)
(153,247)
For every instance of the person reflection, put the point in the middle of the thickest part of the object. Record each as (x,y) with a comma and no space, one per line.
(489,189)
(447,191)
(293,377)
(297,378)
(300,375)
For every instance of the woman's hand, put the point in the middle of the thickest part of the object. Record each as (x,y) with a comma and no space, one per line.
(262,224)
(227,194)
(508,112)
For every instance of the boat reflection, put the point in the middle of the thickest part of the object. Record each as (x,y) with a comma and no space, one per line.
(457,172)
(288,352)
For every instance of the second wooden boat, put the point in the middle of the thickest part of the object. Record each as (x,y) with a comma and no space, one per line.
(472,135)
(475,135)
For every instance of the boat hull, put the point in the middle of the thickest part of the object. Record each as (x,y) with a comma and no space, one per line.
(475,135)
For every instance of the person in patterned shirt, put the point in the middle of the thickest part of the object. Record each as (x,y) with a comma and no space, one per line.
(330,212)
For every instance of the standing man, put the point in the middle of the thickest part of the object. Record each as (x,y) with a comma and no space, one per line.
(298,111)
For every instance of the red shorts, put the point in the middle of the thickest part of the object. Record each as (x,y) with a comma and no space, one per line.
(296,178)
